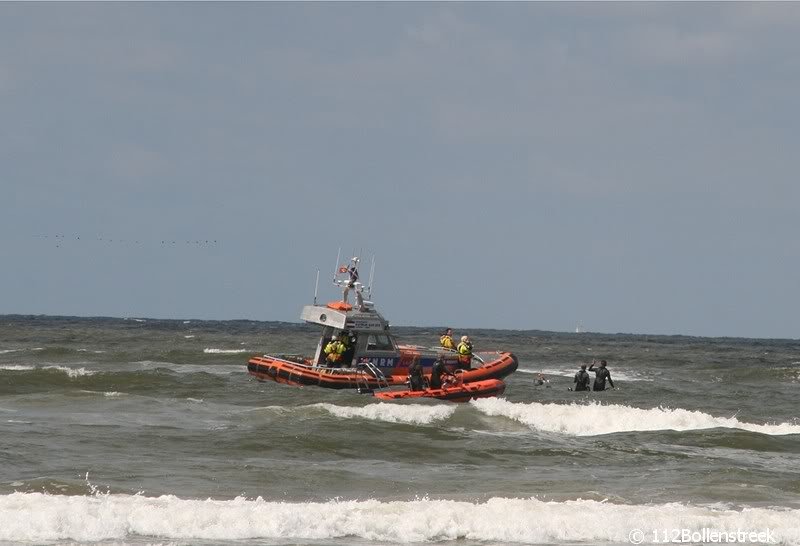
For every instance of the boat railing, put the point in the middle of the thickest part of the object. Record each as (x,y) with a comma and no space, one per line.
(449,352)
(293,358)
(368,368)
(299,360)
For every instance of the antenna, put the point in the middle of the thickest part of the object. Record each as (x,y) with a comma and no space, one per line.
(336,267)
(371,277)
(316,287)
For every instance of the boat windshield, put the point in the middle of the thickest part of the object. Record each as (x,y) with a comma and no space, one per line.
(379,342)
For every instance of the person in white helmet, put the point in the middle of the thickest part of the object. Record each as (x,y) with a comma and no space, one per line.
(464,353)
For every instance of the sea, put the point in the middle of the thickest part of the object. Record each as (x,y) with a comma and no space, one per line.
(144,431)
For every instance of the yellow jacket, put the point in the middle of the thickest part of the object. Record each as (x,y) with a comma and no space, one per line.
(447,342)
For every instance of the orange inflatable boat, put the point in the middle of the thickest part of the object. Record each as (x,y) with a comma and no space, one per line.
(374,373)
(453,393)
(367,355)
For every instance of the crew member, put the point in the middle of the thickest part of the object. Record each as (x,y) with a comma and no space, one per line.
(352,271)
(333,352)
(600,376)
(446,340)
(348,349)
(437,372)
(582,379)
(416,381)
(465,353)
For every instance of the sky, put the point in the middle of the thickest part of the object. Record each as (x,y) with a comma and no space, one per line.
(629,166)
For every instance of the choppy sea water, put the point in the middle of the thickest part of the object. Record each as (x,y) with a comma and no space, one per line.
(141,431)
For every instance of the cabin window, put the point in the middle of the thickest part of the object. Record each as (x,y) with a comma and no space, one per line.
(379,343)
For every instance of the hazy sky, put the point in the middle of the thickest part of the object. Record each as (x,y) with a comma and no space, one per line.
(633,166)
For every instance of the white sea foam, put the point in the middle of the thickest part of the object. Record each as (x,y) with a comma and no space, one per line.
(215,369)
(6,351)
(188,337)
(71,372)
(594,419)
(107,394)
(223,351)
(414,414)
(37,517)
(16,368)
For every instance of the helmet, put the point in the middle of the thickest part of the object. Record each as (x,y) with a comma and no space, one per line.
(464,338)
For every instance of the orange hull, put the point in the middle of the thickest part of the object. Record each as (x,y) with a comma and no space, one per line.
(269,368)
(456,393)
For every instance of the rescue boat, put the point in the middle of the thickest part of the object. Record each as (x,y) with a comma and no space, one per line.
(374,359)
(454,393)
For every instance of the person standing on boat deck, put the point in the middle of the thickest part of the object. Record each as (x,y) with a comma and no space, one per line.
(416,381)
(333,351)
(582,379)
(600,376)
(347,348)
(446,340)
(351,282)
(437,372)
(465,353)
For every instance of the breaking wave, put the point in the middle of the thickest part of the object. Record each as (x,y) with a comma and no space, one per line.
(212,351)
(38,517)
(412,414)
(71,372)
(594,419)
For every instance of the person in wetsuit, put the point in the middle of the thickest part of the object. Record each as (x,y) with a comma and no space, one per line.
(600,376)
(582,379)
(541,380)
(416,381)
(437,372)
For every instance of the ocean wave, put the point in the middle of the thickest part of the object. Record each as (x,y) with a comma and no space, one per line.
(412,414)
(17,368)
(71,372)
(212,351)
(38,517)
(215,369)
(107,394)
(594,419)
(6,351)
